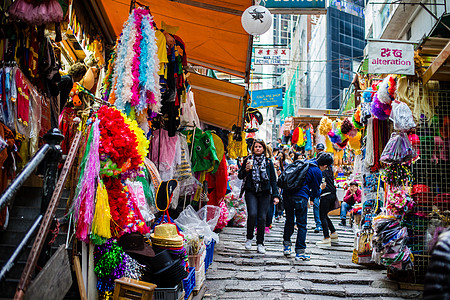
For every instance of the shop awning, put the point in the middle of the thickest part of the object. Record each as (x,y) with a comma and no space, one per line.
(218,102)
(211,30)
(435,51)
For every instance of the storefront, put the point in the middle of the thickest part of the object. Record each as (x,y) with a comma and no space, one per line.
(403,164)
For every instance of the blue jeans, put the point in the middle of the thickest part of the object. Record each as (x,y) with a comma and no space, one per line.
(316,213)
(295,207)
(345,207)
(270,211)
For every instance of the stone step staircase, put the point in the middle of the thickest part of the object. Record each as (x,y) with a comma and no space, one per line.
(26,208)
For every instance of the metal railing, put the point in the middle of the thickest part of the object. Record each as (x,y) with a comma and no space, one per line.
(50,154)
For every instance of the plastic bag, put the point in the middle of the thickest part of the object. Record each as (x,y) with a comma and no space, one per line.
(189,221)
(235,185)
(136,189)
(402,116)
(398,149)
(240,217)
(210,214)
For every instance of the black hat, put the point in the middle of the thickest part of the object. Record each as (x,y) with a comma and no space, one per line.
(166,270)
(134,243)
(320,146)
(325,159)
(164,194)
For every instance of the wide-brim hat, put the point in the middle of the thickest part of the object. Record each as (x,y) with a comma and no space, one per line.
(167,233)
(134,243)
(253,112)
(168,242)
(164,194)
(170,276)
(162,261)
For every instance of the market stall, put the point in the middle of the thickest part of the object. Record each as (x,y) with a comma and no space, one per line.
(148,181)
(401,124)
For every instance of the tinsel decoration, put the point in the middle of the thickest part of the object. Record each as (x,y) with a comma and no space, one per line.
(108,80)
(111,263)
(102,217)
(83,204)
(134,269)
(325,126)
(355,143)
(346,126)
(397,175)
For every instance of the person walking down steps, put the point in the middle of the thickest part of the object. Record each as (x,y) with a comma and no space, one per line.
(260,187)
(327,203)
(300,189)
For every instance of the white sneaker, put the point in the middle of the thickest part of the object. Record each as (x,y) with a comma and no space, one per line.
(324,243)
(261,249)
(334,237)
(248,245)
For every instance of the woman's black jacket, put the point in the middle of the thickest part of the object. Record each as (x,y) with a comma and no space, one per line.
(248,182)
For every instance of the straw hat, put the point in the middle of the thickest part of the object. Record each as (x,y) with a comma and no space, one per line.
(166,233)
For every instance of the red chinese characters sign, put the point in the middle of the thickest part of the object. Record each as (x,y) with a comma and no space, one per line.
(271,56)
(391,58)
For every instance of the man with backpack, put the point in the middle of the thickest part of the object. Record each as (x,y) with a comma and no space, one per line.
(300,182)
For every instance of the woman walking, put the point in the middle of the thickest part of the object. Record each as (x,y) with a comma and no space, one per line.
(260,187)
(327,201)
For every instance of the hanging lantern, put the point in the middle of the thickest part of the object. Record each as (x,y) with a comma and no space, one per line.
(256,19)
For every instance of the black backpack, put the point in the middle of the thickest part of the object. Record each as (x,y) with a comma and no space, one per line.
(293,176)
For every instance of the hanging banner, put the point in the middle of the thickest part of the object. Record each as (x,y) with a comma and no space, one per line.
(271,56)
(390,58)
(267,98)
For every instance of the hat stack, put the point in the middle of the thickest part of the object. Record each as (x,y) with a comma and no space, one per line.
(166,236)
(167,271)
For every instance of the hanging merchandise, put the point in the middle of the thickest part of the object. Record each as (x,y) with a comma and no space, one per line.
(402,116)
(165,153)
(325,126)
(355,143)
(356,119)
(253,119)
(83,203)
(112,263)
(398,202)
(347,127)
(336,136)
(389,243)
(379,109)
(189,115)
(133,82)
(398,149)
(309,138)
(398,175)
(37,13)
(298,137)
(386,89)
(204,154)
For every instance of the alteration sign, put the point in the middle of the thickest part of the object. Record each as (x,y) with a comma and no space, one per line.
(390,58)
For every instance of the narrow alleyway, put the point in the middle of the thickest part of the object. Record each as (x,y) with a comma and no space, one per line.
(240,274)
